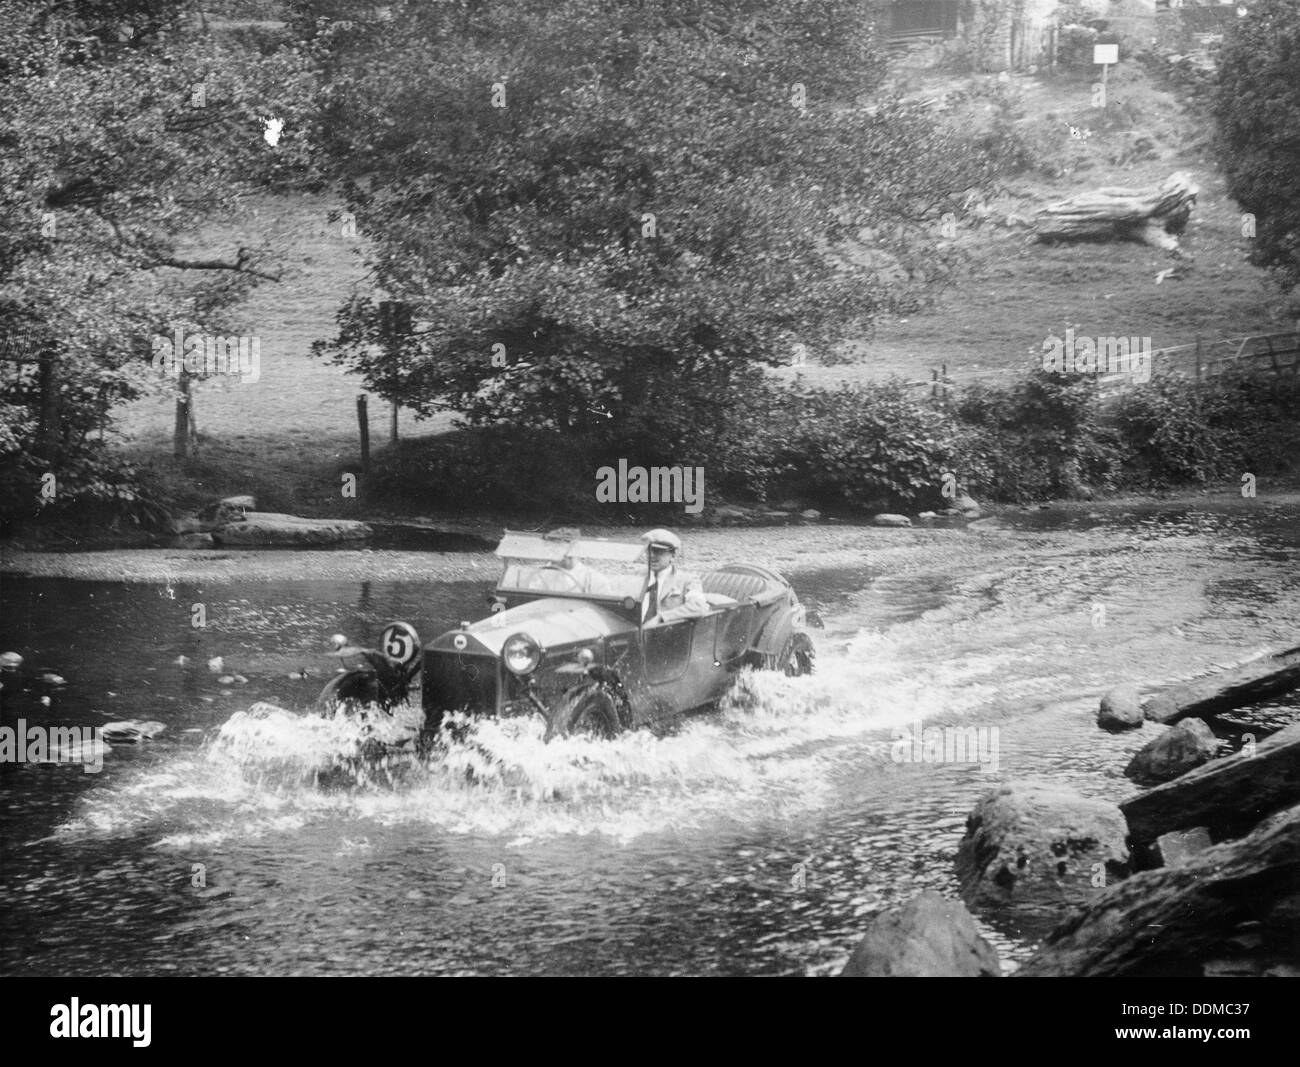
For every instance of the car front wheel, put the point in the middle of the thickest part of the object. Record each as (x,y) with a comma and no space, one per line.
(588,710)
(798,657)
(346,694)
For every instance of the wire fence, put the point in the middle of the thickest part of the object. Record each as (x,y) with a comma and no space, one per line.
(1276,353)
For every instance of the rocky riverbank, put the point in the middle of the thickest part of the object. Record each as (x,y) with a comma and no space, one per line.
(785,548)
(798,545)
(1199,876)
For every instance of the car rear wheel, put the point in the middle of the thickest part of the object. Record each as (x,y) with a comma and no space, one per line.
(588,710)
(798,657)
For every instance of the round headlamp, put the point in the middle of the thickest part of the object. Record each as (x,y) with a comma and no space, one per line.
(521,654)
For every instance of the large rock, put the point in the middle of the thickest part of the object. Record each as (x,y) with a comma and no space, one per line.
(132,731)
(1184,745)
(1161,707)
(269,528)
(1040,849)
(214,515)
(891,520)
(1179,846)
(928,937)
(1231,909)
(1121,709)
(1228,796)
(728,513)
(1247,683)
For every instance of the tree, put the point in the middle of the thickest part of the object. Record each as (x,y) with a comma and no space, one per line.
(1257,107)
(634,208)
(121,133)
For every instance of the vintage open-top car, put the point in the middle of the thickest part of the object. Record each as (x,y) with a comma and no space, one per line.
(565,639)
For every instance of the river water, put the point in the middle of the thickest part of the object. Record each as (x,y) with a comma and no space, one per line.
(752,840)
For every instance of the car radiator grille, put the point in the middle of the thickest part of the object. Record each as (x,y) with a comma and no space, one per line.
(454,682)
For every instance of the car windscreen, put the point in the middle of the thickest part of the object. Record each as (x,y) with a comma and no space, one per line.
(573,576)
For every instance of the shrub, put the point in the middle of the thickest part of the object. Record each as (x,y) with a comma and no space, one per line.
(1257,108)
(1040,438)
(872,447)
(1179,432)
(90,485)
(492,468)
(1074,46)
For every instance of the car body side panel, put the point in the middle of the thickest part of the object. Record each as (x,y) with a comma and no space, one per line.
(678,670)
(665,669)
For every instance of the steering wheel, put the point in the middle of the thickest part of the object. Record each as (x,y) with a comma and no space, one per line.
(577,584)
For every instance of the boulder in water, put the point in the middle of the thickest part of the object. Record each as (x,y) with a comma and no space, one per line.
(1226,795)
(1230,910)
(270,528)
(1184,745)
(928,937)
(1040,849)
(1121,709)
(1250,682)
(887,519)
(131,732)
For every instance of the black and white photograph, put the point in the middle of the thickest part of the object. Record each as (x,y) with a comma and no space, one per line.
(651,488)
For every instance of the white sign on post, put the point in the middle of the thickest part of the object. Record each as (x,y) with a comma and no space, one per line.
(1105,53)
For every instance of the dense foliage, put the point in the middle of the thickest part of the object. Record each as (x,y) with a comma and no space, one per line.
(121,133)
(662,205)
(1257,107)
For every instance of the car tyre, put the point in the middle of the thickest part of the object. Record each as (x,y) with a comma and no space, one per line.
(346,694)
(798,657)
(587,709)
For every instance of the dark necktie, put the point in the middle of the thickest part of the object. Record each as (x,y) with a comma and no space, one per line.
(651,601)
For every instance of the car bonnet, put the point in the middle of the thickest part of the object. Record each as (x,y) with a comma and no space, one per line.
(549,622)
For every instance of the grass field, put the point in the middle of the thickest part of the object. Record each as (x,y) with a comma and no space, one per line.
(1018,291)
(286,437)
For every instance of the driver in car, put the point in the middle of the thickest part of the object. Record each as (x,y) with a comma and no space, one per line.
(669,594)
(587,579)
(574,575)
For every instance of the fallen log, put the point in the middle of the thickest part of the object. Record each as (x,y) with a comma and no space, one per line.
(1229,910)
(1228,796)
(1249,683)
(1154,215)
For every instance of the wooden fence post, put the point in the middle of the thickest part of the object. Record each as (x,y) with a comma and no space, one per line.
(363,421)
(394,324)
(181,425)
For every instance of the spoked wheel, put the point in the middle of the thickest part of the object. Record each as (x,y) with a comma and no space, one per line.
(798,657)
(588,710)
(347,694)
